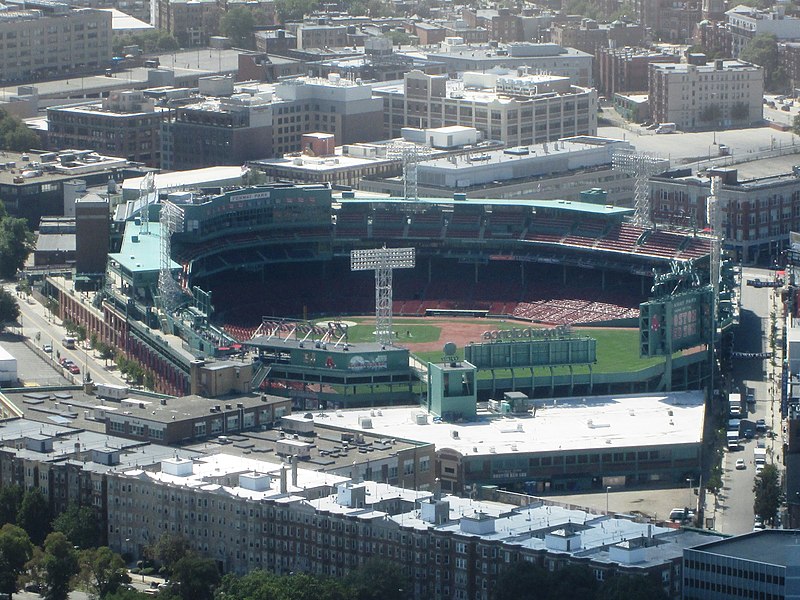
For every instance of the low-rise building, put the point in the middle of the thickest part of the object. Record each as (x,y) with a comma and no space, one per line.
(460,56)
(70,466)
(192,22)
(718,94)
(125,124)
(33,184)
(746,22)
(761,564)
(526,452)
(758,214)
(502,25)
(626,69)
(517,109)
(550,171)
(251,514)
(46,39)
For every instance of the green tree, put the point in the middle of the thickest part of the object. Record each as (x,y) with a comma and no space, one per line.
(60,564)
(573,582)
(378,579)
(762,50)
(632,587)
(102,571)
(521,581)
(34,569)
(294,10)
(9,308)
(16,243)
(148,41)
(398,37)
(21,139)
(740,111)
(238,24)
(300,586)
(34,515)
(10,495)
(15,135)
(711,113)
(81,526)
(196,577)
(169,549)
(796,125)
(15,552)
(768,495)
(124,593)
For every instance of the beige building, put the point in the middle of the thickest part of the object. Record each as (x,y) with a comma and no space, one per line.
(719,94)
(192,22)
(515,109)
(49,38)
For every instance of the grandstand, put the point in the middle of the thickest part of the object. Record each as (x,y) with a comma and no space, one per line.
(554,262)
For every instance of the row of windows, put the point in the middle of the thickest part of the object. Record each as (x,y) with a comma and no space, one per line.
(729,571)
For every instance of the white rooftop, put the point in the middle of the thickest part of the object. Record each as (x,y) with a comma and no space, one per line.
(194,177)
(121,22)
(594,422)
(220,472)
(567,147)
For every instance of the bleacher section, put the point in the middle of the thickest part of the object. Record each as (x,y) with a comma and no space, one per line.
(292,258)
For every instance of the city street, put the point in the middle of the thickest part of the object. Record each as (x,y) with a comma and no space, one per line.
(41,329)
(734,511)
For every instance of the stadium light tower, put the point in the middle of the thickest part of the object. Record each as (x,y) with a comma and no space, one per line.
(641,167)
(382,261)
(168,289)
(714,219)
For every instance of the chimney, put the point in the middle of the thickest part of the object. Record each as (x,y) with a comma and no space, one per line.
(284,487)
(294,470)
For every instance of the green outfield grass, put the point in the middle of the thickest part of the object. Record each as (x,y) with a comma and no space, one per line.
(419,333)
(617,351)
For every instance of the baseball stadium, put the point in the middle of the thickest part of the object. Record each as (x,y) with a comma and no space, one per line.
(501,274)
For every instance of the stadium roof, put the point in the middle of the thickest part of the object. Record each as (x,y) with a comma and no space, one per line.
(141,251)
(565,205)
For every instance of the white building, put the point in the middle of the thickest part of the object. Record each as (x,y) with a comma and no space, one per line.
(515,108)
(43,39)
(538,58)
(746,22)
(719,94)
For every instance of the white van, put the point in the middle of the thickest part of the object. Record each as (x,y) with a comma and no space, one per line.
(666,128)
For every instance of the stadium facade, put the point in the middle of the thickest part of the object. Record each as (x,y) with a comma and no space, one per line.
(487,257)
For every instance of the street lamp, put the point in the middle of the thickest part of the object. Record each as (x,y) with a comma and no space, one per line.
(689,483)
(608,489)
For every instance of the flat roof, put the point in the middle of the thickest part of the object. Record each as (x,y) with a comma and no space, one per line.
(567,205)
(780,547)
(78,407)
(322,164)
(131,453)
(53,242)
(121,22)
(141,250)
(193,178)
(594,422)
(328,452)
(220,472)
(540,152)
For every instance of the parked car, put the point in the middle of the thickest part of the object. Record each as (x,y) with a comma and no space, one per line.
(47,348)
(681,514)
(740,464)
(74,369)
